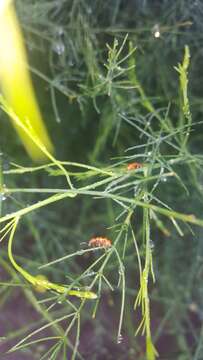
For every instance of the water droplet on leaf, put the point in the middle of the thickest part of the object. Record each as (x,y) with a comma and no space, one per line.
(2,197)
(59,47)
(80,252)
(151,244)
(60,30)
(119,339)
(89,10)
(156,31)
(90,273)
(70,63)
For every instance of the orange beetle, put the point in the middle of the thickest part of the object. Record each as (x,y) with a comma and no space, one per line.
(134,166)
(100,242)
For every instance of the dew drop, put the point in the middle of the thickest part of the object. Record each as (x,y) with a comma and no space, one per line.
(145,277)
(193,307)
(164,179)
(156,31)
(6,165)
(121,270)
(149,153)
(2,197)
(80,252)
(90,273)
(116,42)
(60,31)
(157,34)
(136,190)
(119,339)
(89,10)
(59,47)
(151,244)
(83,243)
(161,170)
(70,63)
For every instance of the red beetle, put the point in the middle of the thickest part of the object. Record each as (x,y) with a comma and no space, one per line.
(100,242)
(134,166)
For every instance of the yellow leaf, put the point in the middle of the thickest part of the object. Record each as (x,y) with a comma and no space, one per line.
(16,82)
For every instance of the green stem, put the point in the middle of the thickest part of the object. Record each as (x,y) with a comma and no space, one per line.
(38,281)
